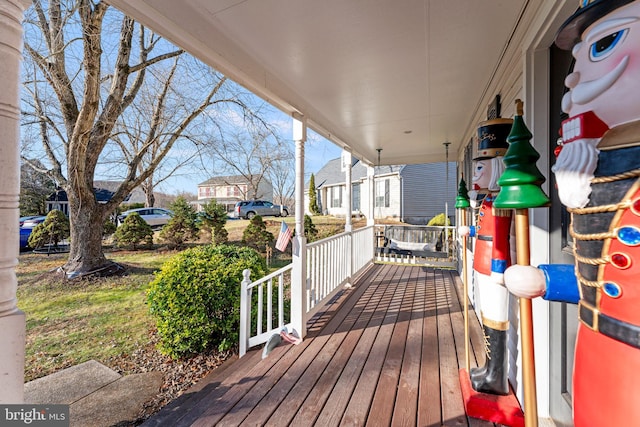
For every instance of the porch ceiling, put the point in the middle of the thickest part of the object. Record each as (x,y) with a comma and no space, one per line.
(404,76)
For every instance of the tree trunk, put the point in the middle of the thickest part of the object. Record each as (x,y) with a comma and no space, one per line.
(86,256)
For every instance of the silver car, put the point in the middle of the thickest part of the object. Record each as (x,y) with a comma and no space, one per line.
(155,217)
(249,209)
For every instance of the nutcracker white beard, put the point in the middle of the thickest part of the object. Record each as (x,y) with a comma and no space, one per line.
(574,170)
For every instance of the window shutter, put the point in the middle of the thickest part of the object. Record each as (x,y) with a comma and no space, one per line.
(386,193)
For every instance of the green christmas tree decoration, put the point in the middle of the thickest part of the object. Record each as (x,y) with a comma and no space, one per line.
(520,182)
(462,199)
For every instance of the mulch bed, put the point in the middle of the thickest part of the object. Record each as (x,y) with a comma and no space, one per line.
(179,375)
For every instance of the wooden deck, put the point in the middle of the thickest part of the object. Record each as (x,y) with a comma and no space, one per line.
(385,352)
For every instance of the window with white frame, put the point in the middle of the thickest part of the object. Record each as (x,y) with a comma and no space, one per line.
(382,193)
(336,197)
(355,197)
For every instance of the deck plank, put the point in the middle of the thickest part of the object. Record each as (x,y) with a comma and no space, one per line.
(349,389)
(384,398)
(405,411)
(325,405)
(359,405)
(453,412)
(429,403)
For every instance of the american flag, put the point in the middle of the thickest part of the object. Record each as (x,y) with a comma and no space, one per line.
(283,237)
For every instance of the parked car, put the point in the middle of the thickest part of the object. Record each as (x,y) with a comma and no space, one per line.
(24,218)
(250,208)
(26,226)
(32,222)
(155,217)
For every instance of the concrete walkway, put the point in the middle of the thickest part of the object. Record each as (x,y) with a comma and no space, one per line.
(97,395)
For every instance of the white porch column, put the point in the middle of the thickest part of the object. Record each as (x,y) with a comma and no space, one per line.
(348,226)
(346,162)
(299,242)
(371,172)
(12,320)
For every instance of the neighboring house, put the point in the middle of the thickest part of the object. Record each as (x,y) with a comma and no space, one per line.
(228,190)
(103,190)
(411,193)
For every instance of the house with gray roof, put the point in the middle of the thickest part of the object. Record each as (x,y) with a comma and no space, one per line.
(410,193)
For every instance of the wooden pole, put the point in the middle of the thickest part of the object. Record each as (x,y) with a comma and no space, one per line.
(462,202)
(465,287)
(526,325)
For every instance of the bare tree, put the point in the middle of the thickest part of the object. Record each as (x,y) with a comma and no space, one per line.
(282,175)
(254,155)
(126,120)
(144,133)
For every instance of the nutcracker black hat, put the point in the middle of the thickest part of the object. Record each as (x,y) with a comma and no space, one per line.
(492,138)
(588,13)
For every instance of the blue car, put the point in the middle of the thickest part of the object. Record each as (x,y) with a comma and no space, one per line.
(26,226)
(24,237)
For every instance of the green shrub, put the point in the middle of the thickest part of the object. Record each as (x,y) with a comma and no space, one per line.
(310,230)
(439,220)
(195,298)
(109,227)
(256,234)
(313,197)
(134,233)
(51,231)
(212,220)
(182,225)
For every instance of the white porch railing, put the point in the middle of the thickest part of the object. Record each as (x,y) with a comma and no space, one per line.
(332,263)
(256,326)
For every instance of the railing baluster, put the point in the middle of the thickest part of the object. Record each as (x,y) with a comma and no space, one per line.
(245,312)
(270,304)
(260,308)
(280,301)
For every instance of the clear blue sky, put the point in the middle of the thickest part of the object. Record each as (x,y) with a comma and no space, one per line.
(318,151)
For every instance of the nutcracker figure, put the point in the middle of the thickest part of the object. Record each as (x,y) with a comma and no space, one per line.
(598,177)
(491,256)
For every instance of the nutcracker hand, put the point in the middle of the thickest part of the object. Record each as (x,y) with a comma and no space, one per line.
(463,231)
(525,281)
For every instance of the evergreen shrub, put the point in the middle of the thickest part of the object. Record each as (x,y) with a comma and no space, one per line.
(212,221)
(256,234)
(51,231)
(134,233)
(182,225)
(195,298)
(310,230)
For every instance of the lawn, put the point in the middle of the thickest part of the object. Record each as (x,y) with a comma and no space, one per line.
(72,322)
(105,319)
